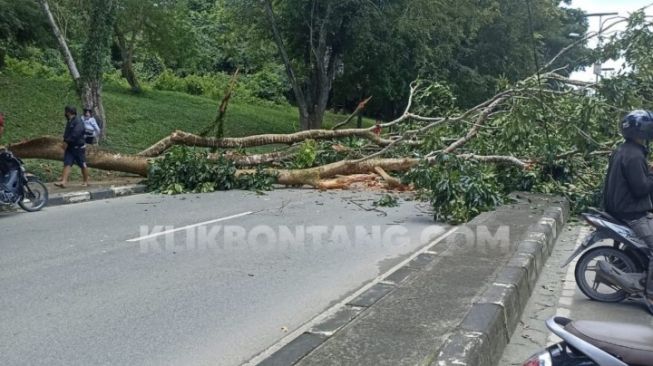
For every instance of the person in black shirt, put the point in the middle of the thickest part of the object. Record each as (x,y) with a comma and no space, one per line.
(75,146)
(629,183)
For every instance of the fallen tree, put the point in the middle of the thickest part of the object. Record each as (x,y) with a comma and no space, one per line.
(51,148)
(527,136)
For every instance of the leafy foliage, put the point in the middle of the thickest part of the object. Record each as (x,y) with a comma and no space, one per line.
(264,87)
(21,25)
(457,189)
(305,157)
(184,170)
(387,200)
(96,47)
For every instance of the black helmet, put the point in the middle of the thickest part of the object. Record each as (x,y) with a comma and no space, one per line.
(638,125)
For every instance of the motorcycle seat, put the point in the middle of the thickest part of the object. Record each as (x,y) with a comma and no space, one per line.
(606,216)
(631,343)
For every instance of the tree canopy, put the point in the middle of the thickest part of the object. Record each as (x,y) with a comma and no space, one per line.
(337,52)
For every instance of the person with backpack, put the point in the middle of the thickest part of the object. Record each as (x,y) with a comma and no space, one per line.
(75,143)
(91,128)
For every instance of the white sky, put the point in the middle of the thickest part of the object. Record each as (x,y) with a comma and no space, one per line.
(623,7)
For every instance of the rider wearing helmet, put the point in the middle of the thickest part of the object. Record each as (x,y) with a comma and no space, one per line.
(629,183)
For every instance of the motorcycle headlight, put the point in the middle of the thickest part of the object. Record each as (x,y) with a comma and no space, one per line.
(540,359)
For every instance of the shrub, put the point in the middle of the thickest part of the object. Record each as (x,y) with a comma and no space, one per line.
(194,84)
(30,68)
(268,84)
(263,87)
(170,82)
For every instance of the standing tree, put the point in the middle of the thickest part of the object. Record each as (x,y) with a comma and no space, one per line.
(149,26)
(312,36)
(63,45)
(95,51)
(88,79)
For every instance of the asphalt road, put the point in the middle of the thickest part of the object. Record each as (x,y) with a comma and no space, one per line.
(74,290)
(556,294)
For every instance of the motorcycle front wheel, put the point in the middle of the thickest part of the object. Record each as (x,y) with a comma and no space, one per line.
(35,195)
(589,282)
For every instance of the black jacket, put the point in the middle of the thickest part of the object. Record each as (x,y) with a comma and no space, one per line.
(629,183)
(74,133)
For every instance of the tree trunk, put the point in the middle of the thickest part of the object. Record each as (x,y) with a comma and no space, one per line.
(89,82)
(127,60)
(95,51)
(129,74)
(51,148)
(300,98)
(63,45)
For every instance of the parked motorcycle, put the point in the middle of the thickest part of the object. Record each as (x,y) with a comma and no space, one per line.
(586,343)
(29,192)
(611,273)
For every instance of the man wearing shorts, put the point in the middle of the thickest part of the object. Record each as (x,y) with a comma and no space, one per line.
(75,146)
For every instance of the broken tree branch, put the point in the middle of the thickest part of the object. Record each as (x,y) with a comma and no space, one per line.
(218,123)
(359,109)
(188,139)
(480,121)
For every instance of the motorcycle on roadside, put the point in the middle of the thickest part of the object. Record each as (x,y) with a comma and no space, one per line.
(28,191)
(608,272)
(611,273)
(592,343)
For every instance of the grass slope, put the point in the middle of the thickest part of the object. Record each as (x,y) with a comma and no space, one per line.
(34,107)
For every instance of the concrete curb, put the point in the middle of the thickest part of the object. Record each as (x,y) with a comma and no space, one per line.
(484,333)
(96,194)
(485,330)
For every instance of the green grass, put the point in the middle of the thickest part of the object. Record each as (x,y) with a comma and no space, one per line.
(34,107)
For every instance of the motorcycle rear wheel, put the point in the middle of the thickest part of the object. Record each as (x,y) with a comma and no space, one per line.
(587,265)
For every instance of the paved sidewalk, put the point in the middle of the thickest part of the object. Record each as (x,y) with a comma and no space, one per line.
(450,304)
(76,193)
(76,186)
(556,294)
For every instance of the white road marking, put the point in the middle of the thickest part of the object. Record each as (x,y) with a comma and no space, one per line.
(190,226)
(333,309)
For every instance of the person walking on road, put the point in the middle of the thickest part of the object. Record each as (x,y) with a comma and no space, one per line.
(75,146)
